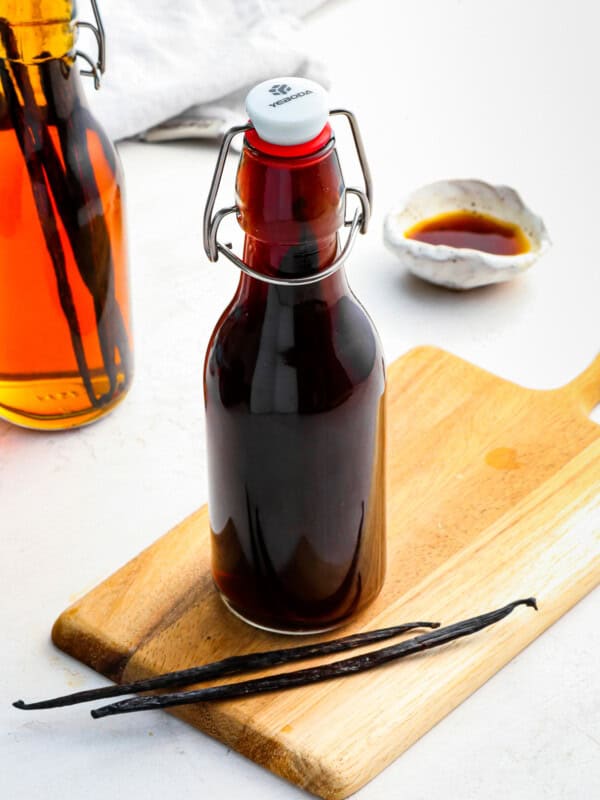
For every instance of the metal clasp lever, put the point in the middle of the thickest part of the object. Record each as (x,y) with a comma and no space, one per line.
(359,221)
(96,69)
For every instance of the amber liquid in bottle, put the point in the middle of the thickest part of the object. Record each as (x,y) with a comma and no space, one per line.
(294,390)
(65,349)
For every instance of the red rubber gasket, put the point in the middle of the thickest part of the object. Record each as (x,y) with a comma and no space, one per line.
(291,150)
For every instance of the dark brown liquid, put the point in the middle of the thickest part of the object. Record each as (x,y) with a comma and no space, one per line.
(294,384)
(467,229)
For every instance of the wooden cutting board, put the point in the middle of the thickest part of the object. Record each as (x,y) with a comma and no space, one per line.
(494,495)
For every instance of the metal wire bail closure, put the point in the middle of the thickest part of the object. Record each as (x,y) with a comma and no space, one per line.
(359,221)
(96,68)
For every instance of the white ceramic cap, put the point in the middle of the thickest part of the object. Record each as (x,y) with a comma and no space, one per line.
(288,110)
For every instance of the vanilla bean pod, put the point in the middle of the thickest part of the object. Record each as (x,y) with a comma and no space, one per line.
(234,665)
(305,677)
(87,229)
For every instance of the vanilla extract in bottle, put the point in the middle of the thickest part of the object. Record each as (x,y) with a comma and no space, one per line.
(294,382)
(66,351)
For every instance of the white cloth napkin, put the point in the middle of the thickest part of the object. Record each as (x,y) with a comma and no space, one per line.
(179,68)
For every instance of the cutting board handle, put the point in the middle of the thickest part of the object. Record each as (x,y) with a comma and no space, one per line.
(585,388)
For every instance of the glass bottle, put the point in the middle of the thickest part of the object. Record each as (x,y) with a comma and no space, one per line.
(65,342)
(294,388)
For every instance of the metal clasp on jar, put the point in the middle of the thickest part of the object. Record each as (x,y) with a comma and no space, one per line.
(96,68)
(359,221)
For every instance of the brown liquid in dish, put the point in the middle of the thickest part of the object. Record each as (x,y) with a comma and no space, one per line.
(468,229)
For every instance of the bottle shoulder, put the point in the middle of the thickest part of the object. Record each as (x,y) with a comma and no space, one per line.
(312,354)
(344,324)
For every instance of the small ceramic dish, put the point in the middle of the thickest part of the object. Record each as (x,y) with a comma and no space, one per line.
(460,267)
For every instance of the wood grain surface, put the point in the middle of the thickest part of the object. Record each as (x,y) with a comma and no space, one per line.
(494,494)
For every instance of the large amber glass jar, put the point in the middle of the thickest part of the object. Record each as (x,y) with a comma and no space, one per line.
(65,346)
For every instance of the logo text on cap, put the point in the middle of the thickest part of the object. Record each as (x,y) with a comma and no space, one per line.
(288,99)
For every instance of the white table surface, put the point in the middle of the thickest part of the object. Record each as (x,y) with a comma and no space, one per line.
(504,91)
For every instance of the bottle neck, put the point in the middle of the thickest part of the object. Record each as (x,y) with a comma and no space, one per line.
(291,210)
(291,260)
(37,51)
(36,31)
(305,257)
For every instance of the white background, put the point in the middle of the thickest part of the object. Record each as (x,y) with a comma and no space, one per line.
(506,92)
